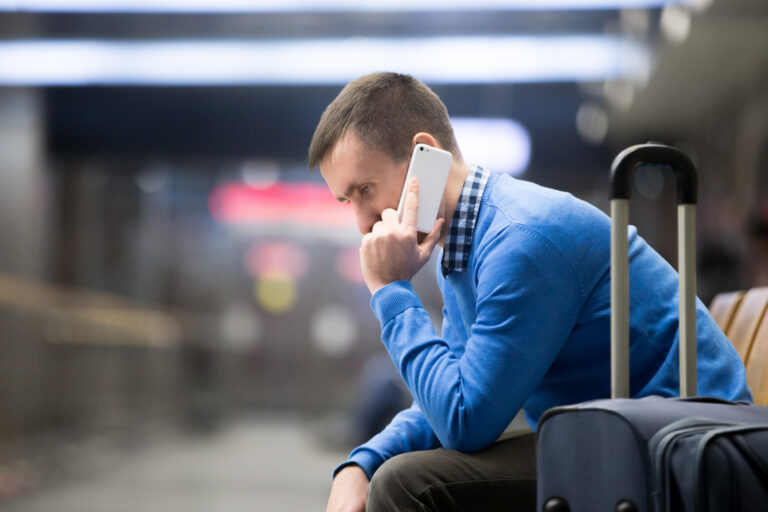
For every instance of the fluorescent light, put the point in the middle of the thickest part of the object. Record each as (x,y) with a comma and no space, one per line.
(212,6)
(500,145)
(440,60)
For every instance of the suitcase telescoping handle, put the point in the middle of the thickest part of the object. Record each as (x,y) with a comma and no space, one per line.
(622,171)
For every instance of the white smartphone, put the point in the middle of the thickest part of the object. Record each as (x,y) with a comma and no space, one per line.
(430,165)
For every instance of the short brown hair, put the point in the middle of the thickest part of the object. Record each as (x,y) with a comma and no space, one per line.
(385,110)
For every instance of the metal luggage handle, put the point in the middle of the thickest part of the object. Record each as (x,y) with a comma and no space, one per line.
(622,170)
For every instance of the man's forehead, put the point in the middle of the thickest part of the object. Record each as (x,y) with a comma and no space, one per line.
(348,144)
(335,154)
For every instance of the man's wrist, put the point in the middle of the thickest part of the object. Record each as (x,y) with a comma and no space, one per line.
(393,299)
(376,287)
(348,468)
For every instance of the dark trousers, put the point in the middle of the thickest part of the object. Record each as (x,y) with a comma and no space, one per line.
(501,477)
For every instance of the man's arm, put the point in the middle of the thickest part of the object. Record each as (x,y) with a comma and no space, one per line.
(350,483)
(527,302)
(408,431)
(525,298)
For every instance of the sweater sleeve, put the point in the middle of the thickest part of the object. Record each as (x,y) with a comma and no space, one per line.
(526,304)
(408,431)
(449,333)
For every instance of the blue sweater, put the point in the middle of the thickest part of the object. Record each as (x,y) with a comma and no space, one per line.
(526,325)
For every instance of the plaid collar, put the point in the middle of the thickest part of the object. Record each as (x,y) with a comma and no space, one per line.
(458,243)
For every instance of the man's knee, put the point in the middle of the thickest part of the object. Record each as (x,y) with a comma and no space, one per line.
(396,484)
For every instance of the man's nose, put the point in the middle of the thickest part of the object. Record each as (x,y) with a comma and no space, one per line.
(365,220)
(365,225)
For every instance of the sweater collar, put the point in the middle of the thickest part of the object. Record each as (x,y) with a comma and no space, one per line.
(458,242)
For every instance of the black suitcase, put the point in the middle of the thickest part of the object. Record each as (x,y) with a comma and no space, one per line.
(704,464)
(653,454)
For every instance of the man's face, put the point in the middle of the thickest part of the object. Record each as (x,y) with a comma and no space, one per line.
(366,178)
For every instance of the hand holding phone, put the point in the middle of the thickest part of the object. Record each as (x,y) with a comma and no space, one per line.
(431,166)
(385,255)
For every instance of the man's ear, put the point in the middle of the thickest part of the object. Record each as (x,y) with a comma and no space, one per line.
(425,138)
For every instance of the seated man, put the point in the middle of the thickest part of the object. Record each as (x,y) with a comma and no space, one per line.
(524,274)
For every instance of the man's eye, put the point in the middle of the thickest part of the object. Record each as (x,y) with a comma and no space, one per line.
(365,189)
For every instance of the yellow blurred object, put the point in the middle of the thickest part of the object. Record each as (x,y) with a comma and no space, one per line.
(275,292)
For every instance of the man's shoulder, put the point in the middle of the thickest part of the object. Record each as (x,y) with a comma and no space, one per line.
(547,212)
(521,221)
(528,202)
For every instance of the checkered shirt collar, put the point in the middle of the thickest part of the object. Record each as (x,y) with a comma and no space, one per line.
(458,243)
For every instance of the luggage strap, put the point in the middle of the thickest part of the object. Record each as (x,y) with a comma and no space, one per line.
(755,464)
(733,433)
(659,450)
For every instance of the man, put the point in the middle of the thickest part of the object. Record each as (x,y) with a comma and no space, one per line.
(524,274)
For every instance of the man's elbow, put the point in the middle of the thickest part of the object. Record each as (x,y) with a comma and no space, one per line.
(468,429)
(467,441)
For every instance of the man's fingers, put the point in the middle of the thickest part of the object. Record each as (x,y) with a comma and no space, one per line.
(411,206)
(428,244)
(390,217)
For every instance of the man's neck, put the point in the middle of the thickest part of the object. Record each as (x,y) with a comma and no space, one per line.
(456,178)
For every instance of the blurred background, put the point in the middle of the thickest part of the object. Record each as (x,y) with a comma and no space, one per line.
(183,322)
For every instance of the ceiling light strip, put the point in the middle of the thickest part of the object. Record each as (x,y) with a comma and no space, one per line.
(446,60)
(257,6)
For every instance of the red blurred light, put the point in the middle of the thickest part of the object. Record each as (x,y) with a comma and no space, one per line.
(276,258)
(308,204)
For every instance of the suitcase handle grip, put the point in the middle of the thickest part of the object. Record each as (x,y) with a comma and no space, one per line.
(622,170)
(654,153)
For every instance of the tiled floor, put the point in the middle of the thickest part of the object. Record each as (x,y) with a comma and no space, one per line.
(271,464)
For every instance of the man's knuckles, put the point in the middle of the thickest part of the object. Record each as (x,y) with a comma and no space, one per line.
(386,234)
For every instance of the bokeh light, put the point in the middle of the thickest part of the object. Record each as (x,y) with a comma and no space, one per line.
(276,266)
(275,257)
(303,204)
(501,145)
(334,330)
(275,292)
(240,328)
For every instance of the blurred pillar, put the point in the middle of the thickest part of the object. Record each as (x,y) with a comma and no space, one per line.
(24,200)
(66,229)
